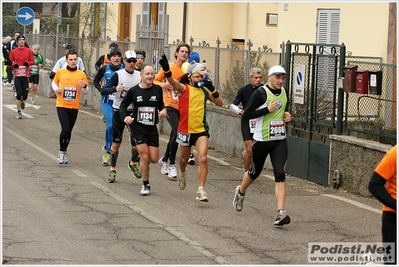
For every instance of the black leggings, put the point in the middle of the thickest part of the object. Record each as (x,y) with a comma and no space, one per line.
(171,149)
(389,230)
(21,87)
(67,118)
(278,156)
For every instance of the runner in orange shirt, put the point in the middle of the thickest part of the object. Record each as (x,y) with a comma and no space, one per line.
(385,174)
(67,84)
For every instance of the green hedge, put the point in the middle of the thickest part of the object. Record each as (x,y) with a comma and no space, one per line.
(47,25)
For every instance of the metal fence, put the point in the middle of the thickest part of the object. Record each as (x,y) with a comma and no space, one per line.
(228,64)
(366,116)
(373,116)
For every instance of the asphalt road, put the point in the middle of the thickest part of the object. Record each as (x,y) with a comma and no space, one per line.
(68,214)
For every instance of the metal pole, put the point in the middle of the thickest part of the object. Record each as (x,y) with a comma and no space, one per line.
(56,44)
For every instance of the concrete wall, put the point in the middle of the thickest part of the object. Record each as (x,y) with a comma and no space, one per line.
(355,158)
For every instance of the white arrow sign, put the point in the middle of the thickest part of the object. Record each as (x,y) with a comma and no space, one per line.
(26,16)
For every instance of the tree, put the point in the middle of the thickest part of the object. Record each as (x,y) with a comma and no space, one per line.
(237,76)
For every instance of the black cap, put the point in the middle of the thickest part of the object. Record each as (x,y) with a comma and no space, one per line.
(113,44)
(70,47)
(115,51)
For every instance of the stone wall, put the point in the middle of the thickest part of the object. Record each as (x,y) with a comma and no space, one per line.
(354,158)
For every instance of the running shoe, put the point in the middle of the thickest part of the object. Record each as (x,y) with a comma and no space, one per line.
(60,158)
(164,166)
(106,157)
(182,180)
(145,190)
(238,200)
(65,158)
(135,169)
(191,159)
(201,195)
(172,172)
(32,101)
(111,176)
(282,218)
(19,115)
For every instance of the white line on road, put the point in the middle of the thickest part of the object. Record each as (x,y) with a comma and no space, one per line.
(352,202)
(79,173)
(14,108)
(160,224)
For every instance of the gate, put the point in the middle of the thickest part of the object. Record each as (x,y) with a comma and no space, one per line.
(153,39)
(311,83)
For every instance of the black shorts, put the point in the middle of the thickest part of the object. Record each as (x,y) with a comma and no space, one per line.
(190,139)
(34,79)
(245,131)
(144,134)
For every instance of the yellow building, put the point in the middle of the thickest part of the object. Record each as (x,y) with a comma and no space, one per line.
(366,28)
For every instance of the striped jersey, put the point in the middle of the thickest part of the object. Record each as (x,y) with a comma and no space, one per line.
(192,108)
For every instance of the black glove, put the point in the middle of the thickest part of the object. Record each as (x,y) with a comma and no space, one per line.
(52,74)
(26,64)
(209,85)
(165,66)
(8,62)
(16,66)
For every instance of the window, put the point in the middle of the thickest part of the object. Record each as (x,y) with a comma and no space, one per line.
(328,21)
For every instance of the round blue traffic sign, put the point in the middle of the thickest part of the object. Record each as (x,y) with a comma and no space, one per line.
(25,16)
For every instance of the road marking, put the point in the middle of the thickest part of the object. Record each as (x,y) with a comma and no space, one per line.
(79,173)
(172,230)
(14,108)
(352,202)
(90,114)
(355,203)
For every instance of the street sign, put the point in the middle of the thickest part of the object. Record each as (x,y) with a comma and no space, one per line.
(25,16)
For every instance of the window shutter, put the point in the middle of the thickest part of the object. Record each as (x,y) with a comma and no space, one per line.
(146,14)
(328,26)
(161,15)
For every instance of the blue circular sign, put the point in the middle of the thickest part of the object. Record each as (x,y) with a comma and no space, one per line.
(299,78)
(25,16)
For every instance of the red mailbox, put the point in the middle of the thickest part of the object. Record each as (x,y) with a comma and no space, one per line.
(350,78)
(362,81)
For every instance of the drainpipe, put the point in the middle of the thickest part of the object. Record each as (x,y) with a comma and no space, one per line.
(184,22)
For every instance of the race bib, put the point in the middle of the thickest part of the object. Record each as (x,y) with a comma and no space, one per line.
(146,115)
(252,125)
(34,69)
(183,138)
(20,71)
(69,93)
(175,95)
(276,130)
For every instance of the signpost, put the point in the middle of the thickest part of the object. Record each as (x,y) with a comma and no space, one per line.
(25,16)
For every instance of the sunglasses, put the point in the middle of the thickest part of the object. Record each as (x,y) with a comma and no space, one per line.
(197,76)
(131,60)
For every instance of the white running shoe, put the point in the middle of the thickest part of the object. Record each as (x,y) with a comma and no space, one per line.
(201,195)
(172,172)
(145,190)
(182,180)
(164,166)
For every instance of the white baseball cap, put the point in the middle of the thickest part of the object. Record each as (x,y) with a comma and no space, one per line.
(276,70)
(130,54)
